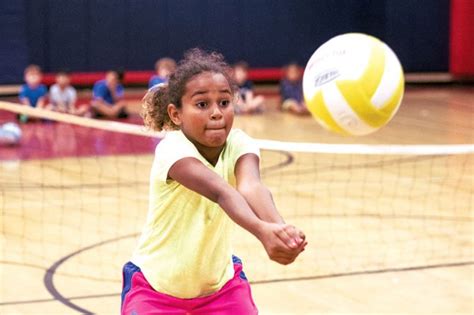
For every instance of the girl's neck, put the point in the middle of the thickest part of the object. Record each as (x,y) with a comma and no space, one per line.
(210,154)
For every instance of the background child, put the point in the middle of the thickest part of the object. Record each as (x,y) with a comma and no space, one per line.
(107,96)
(63,96)
(248,103)
(164,67)
(291,90)
(204,175)
(32,93)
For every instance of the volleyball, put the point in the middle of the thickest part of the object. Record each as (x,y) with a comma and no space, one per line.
(353,84)
(10,134)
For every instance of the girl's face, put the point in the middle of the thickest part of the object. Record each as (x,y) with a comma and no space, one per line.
(164,72)
(207,113)
(293,73)
(240,75)
(111,79)
(62,80)
(33,78)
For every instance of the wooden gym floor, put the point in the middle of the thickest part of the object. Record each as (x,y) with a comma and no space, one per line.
(387,234)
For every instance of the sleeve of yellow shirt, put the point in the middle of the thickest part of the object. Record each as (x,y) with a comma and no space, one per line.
(240,143)
(174,147)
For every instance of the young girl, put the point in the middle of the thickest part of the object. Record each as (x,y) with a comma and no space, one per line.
(291,90)
(164,67)
(248,103)
(63,96)
(204,176)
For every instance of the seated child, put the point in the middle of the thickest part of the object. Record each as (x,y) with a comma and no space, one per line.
(32,93)
(247,103)
(291,90)
(107,96)
(63,96)
(164,67)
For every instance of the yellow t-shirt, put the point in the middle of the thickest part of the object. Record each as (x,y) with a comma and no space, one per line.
(185,247)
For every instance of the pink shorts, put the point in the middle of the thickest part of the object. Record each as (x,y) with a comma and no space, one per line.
(139,298)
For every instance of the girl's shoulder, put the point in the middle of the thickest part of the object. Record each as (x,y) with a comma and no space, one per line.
(239,142)
(170,138)
(234,135)
(174,141)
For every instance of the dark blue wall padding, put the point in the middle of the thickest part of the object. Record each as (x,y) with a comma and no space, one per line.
(13,48)
(418,31)
(96,35)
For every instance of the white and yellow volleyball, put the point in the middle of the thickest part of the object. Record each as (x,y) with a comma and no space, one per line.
(353,84)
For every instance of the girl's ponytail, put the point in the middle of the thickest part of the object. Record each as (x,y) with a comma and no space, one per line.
(155,108)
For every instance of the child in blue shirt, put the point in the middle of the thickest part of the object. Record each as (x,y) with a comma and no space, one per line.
(108,96)
(164,67)
(32,93)
(291,90)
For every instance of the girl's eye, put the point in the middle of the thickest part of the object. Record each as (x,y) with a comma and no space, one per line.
(201,105)
(225,103)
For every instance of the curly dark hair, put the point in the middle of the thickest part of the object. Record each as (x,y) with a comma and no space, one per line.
(196,61)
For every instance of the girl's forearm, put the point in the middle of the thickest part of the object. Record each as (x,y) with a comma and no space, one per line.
(239,211)
(260,200)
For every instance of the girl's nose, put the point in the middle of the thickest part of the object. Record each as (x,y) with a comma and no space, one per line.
(216,112)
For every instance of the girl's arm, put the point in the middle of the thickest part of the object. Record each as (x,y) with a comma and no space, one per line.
(258,196)
(25,101)
(276,238)
(249,96)
(73,100)
(41,103)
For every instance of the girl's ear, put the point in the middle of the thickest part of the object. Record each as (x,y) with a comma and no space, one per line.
(174,114)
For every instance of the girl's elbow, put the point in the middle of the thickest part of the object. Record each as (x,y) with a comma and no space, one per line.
(249,189)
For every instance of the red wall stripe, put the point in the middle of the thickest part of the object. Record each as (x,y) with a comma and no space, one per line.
(461,61)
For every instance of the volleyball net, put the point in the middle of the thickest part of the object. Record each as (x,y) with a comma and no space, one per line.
(74,195)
